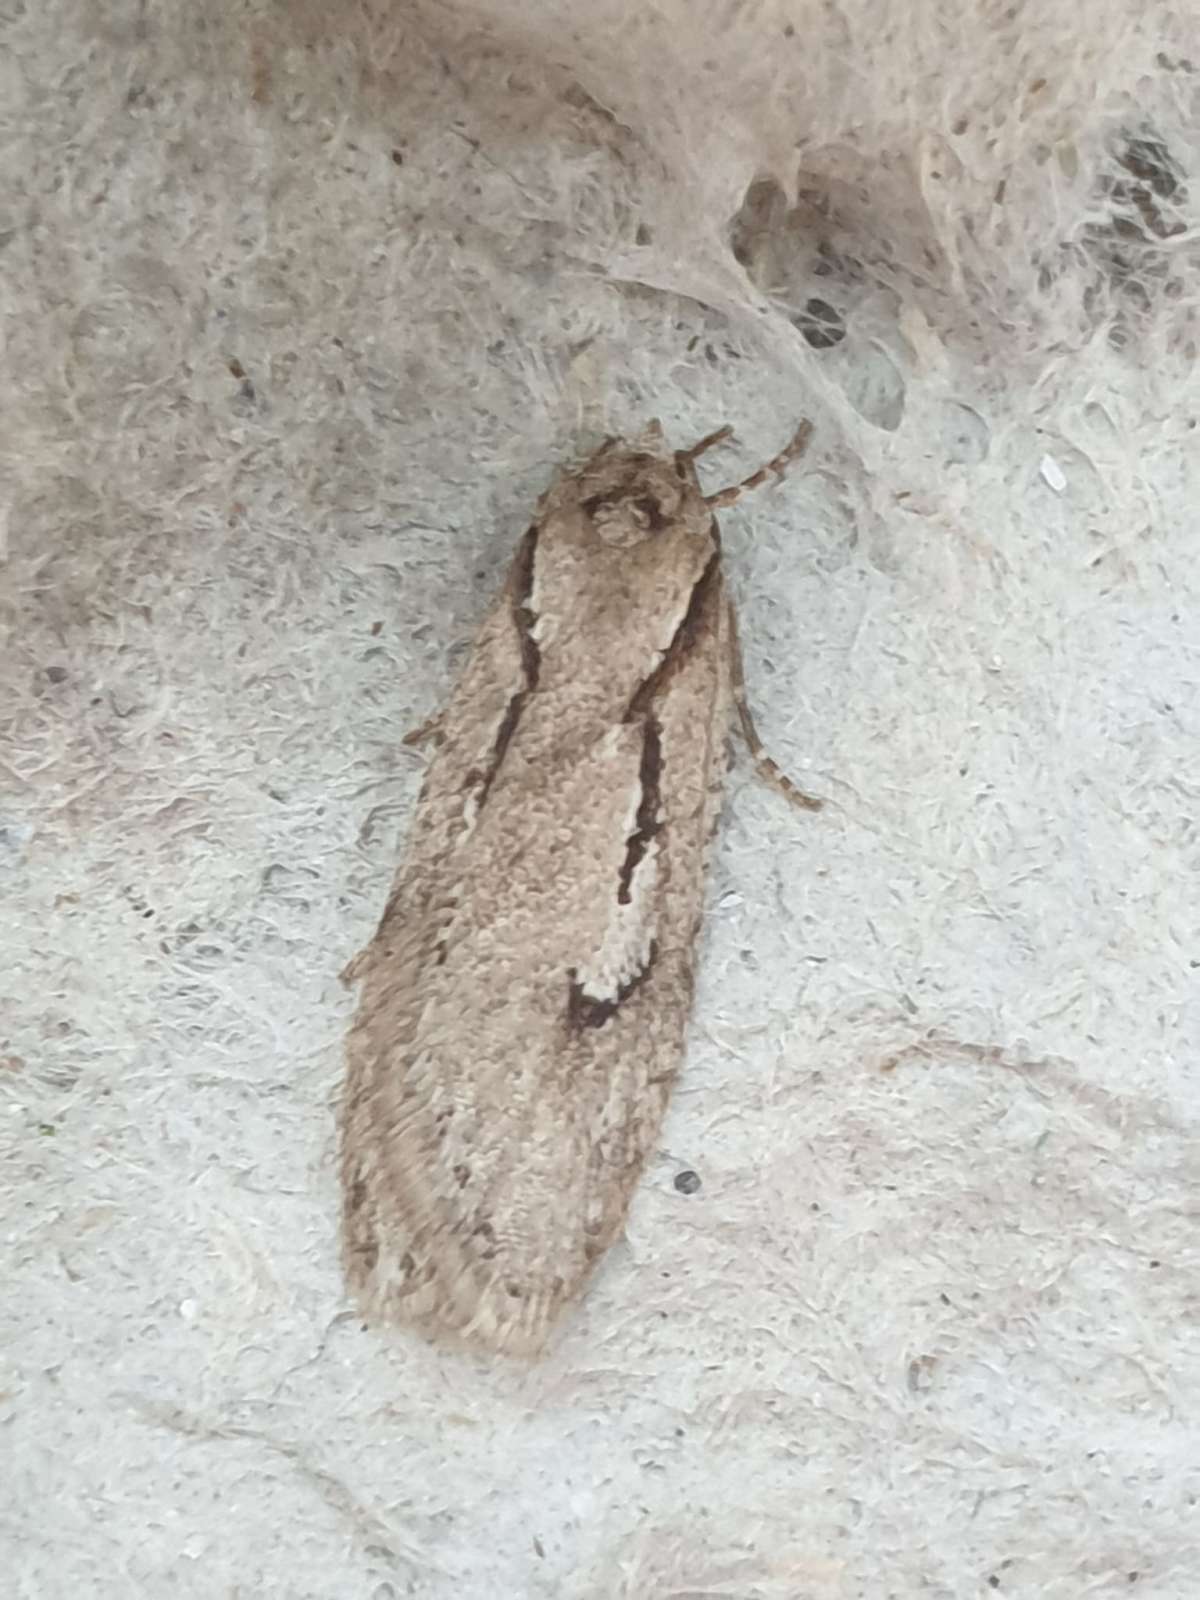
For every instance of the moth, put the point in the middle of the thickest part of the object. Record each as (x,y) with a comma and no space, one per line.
(525,998)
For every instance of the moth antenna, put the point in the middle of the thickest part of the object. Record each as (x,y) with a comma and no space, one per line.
(776,467)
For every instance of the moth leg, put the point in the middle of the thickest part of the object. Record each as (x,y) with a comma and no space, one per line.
(777,466)
(709,440)
(768,769)
(425,731)
(354,969)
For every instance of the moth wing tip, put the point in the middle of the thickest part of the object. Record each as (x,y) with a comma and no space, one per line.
(483,1318)
(521,1337)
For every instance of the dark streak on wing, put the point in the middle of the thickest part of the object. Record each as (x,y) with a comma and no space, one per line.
(521,589)
(681,645)
(360,1230)
(647,821)
(585,1011)
(523,615)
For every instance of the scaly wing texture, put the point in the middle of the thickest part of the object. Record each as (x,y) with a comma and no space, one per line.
(526,996)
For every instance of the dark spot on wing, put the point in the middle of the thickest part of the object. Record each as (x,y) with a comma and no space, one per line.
(487,1233)
(366,1248)
(361,1241)
(585,1011)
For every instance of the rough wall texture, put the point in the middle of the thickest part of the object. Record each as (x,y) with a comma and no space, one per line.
(301,307)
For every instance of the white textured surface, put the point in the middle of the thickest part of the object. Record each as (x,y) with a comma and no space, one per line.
(275,404)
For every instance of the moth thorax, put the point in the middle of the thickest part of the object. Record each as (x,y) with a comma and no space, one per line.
(632,515)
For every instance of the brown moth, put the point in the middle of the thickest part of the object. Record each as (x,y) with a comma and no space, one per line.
(525,998)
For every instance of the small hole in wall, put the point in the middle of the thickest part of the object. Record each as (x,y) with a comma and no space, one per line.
(1148,159)
(763,213)
(1144,195)
(820,324)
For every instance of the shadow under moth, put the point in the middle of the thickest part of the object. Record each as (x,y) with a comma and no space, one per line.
(525,998)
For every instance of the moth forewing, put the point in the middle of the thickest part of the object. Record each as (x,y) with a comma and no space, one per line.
(525,999)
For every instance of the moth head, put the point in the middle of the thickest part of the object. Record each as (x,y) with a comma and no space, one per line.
(632,491)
